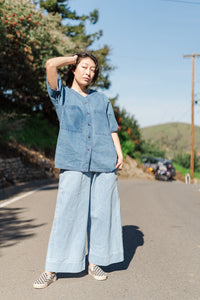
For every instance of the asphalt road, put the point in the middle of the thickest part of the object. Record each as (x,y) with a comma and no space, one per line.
(161,227)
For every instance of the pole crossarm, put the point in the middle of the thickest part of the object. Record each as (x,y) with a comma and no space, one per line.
(191,55)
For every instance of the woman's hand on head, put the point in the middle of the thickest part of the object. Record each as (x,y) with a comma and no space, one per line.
(75,56)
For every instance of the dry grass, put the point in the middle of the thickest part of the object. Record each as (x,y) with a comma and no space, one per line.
(172,137)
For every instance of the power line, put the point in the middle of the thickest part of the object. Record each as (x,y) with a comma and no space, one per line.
(182,1)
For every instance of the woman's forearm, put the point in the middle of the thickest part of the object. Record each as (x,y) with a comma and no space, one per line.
(117,145)
(58,62)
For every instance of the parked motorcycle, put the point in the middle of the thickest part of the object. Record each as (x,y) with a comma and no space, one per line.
(165,171)
(163,175)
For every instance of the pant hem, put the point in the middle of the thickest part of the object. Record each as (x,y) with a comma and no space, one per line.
(105,261)
(64,267)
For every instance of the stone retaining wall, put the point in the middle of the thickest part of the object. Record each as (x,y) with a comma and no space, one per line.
(13,170)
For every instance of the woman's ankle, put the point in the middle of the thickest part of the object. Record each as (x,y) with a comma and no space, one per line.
(49,272)
(91,265)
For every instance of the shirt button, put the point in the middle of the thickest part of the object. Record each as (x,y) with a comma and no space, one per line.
(88,149)
(88,113)
(85,102)
(88,124)
(88,136)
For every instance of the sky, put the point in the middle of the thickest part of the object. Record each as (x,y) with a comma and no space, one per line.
(148,39)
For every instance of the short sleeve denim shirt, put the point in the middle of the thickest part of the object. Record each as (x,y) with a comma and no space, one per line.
(86,123)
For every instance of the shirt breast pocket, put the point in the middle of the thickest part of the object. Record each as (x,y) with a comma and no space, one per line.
(101,126)
(72,118)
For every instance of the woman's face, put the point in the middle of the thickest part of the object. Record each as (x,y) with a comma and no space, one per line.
(85,71)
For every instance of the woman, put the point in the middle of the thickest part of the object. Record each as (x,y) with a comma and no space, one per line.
(88,154)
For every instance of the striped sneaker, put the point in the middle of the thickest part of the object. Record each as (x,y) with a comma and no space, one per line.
(97,273)
(44,280)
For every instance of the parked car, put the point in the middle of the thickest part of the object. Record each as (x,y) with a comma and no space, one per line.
(150,162)
(162,168)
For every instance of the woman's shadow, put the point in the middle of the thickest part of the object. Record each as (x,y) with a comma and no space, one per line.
(132,238)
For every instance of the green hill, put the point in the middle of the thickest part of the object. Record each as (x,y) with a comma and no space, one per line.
(173,137)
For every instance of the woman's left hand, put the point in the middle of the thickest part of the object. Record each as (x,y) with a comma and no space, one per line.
(119,164)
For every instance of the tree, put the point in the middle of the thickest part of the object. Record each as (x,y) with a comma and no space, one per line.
(28,38)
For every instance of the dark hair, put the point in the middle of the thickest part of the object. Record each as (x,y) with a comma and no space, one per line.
(69,75)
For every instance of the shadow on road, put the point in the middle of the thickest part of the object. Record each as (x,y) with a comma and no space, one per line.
(13,227)
(132,238)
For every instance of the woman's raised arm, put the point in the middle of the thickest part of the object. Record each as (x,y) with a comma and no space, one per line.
(52,66)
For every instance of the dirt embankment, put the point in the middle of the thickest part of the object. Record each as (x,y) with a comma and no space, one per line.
(133,169)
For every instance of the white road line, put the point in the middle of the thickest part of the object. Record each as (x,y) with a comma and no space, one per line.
(22,196)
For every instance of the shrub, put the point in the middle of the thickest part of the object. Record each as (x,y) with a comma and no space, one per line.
(183,159)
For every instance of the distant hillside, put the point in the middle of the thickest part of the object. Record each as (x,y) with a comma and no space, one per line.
(173,137)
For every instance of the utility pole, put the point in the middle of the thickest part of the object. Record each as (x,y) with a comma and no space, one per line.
(192,124)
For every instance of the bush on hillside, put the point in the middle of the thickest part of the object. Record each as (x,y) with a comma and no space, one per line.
(183,159)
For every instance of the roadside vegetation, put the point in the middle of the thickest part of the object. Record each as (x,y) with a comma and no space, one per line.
(181,162)
(185,171)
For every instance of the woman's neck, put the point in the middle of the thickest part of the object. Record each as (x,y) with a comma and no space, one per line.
(78,88)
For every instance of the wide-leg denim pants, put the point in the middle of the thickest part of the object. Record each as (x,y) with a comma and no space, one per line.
(87,209)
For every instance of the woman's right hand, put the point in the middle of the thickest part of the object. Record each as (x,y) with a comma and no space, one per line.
(75,58)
